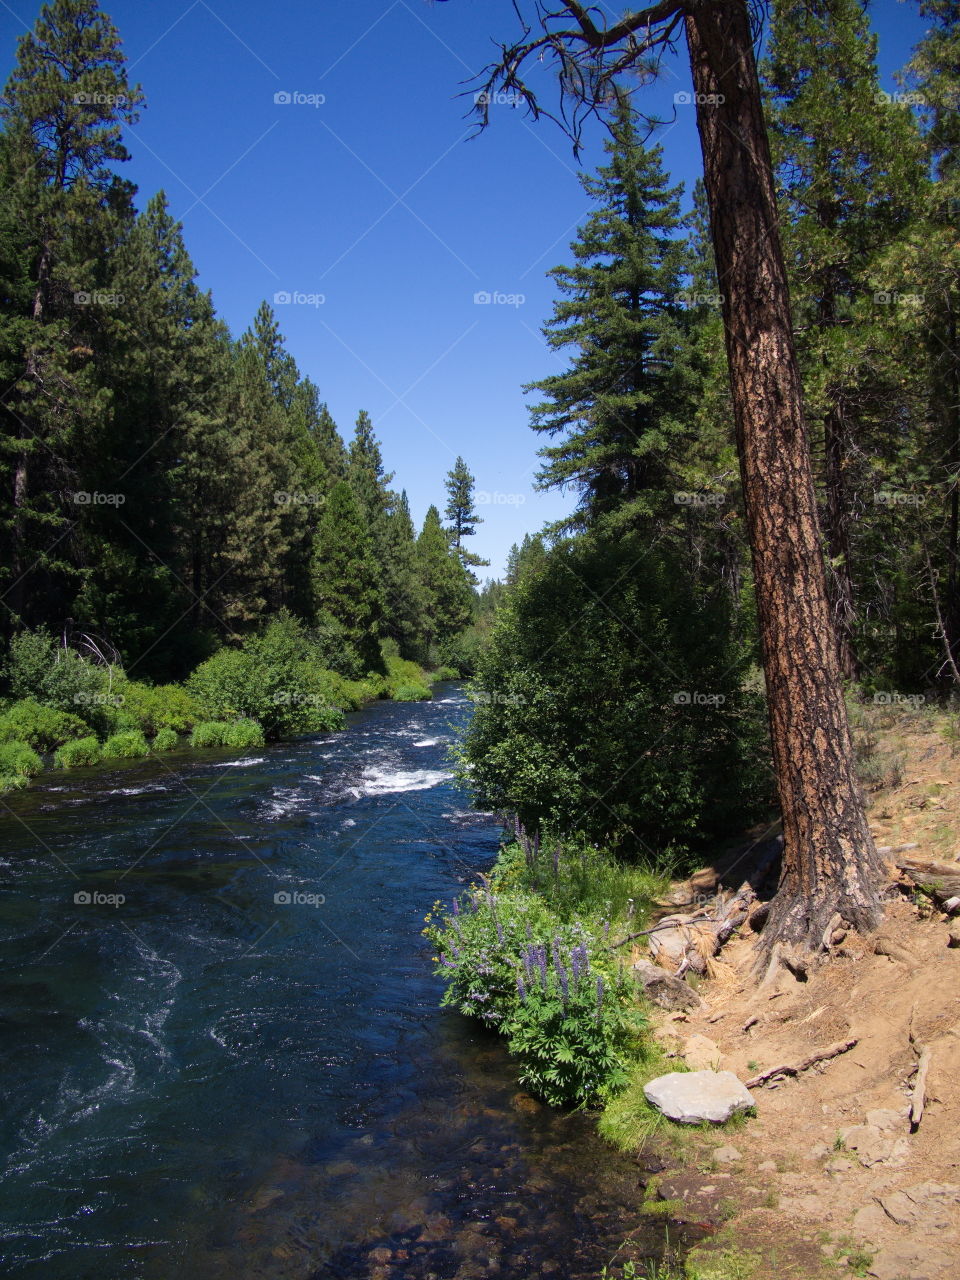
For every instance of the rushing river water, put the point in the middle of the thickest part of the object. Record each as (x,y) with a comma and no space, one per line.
(240,1069)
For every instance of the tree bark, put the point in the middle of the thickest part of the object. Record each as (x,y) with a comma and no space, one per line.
(830,863)
(836,516)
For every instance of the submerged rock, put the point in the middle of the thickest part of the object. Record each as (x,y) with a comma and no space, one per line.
(691,1097)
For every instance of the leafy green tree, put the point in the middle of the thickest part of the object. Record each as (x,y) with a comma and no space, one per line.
(623,404)
(405,601)
(461,513)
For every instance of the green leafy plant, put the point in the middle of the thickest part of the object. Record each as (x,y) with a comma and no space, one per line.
(128,744)
(18,760)
(242,734)
(41,727)
(165,740)
(78,753)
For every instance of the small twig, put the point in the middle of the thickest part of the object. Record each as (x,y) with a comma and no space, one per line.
(794,1069)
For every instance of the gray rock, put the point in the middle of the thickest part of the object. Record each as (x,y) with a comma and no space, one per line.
(692,1097)
(930,1206)
(663,988)
(727,1155)
(912,1262)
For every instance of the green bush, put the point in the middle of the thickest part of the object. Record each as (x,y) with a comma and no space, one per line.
(18,760)
(43,728)
(243,734)
(128,744)
(273,679)
(78,753)
(12,782)
(411,693)
(629,724)
(446,673)
(552,989)
(155,707)
(43,670)
(165,740)
(209,733)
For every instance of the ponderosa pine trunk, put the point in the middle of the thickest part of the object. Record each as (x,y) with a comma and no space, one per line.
(830,863)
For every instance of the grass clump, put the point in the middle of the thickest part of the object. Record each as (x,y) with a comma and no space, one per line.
(128,744)
(78,754)
(18,763)
(239,734)
(165,740)
(40,727)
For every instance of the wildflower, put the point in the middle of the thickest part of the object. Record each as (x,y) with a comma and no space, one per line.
(599,997)
(521,990)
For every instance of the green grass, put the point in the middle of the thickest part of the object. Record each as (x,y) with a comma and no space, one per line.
(128,744)
(165,740)
(79,754)
(18,760)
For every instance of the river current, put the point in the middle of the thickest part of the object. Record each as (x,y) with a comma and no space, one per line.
(221,1053)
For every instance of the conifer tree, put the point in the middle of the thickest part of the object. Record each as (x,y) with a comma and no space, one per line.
(345,576)
(461,514)
(62,111)
(850,168)
(404,601)
(622,406)
(447,590)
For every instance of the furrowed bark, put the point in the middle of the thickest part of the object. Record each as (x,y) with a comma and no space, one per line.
(829,864)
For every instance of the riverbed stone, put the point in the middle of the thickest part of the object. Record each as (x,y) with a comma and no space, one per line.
(692,1097)
(663,988)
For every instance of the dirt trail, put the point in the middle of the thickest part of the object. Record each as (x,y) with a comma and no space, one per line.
(831,1177)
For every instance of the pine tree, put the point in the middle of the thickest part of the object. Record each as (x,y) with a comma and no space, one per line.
(405,602)
(622,405)
(461,514)
(447,590)
(849,165)
(62,111)
(345,576)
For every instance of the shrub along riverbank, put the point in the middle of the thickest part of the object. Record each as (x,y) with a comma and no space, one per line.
(77,711)
(538,951)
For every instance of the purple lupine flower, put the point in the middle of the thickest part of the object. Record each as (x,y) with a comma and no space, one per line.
(580,963)
(496,921)
(542,963)
(564,985)
(599,997)
(456,907)
(606,930)
(521,990)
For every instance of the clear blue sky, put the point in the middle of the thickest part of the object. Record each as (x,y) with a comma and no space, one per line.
(376,200)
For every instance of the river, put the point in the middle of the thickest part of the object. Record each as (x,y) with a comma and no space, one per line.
(220,1048)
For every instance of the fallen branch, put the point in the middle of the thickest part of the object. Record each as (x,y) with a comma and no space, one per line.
(883,946)
(941,880)
(919,1095)
(794,1069)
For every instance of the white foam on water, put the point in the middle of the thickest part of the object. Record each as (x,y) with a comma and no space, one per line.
(391,781)
(428,742)
(240,764)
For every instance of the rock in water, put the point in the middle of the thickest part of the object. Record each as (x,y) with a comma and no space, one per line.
(694,1096)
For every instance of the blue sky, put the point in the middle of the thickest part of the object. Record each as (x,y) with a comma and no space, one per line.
(364,189)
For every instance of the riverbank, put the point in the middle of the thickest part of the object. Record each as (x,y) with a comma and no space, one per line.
(835,1175)
(68,710)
